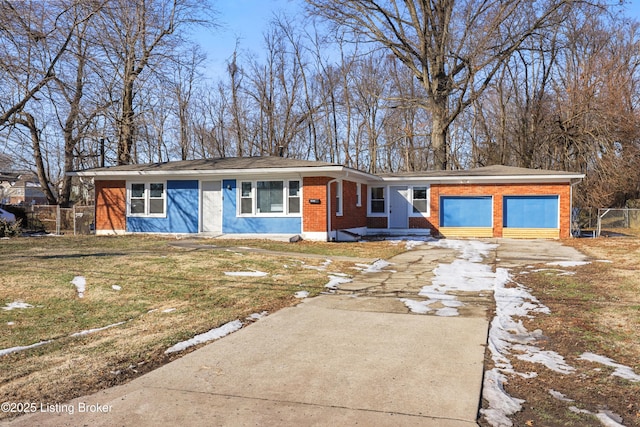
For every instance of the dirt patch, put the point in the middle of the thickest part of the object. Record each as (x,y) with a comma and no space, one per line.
(594,308)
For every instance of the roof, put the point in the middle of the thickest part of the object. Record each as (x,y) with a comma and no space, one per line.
(267,164)
(494,173)
(219,166)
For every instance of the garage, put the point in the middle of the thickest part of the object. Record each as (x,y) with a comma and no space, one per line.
(531,216)
(462,216)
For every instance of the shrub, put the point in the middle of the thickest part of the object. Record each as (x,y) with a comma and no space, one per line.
(10,229)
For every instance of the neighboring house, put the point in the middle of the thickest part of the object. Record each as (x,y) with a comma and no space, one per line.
(326,201)
(20,188)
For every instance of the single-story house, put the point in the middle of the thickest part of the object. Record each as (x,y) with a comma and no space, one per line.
(327,201)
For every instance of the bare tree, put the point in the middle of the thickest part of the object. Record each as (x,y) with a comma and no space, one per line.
(454,48)
(138,35)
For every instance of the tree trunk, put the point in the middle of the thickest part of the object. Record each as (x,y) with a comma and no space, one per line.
(30,123)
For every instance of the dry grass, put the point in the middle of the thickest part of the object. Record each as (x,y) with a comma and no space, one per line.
(596,310)
(168,294)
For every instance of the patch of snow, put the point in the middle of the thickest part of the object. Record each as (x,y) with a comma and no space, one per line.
(577,410)
(501,404)
(6,351)
(168,310)
(609,419)
(471,250)
(16,305)
(116,287)
(91,331)
(257,316)
(447,312)
(211,335)
(550,359)
(335,281)
(80,284)
(621,371)
(559,396)
(11,323)
(253,273)
(376,267)
(569,263)
(321,267)
(301,294)
(418,307)
(604,260)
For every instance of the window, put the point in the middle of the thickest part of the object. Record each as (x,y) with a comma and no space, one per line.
(269,197)
(377,200)
(147,199)
(338,198)
(420,200)
(294,196)
(358,195)
(246,198)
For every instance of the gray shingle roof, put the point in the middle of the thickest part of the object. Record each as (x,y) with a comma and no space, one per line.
(226,163)
(486,171)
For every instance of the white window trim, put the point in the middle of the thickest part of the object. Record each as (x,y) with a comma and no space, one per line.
(385,195)
(420,214)
(147,198)
(340,196)
(358,195)
(254,199)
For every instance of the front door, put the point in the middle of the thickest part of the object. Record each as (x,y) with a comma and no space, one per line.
(211,207)
(399,207)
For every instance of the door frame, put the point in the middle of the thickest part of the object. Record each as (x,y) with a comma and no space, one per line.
(204,207)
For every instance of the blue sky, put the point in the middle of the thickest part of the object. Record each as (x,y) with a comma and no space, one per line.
(247,20)
(243,20)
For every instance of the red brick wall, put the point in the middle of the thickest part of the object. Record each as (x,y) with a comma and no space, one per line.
(499,190)
(314,217)
(352,216)
(111,205)
(377,222)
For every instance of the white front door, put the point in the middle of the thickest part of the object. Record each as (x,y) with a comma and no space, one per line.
(399,207)
(211,213)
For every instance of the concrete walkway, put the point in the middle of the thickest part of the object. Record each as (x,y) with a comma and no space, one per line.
(356,357)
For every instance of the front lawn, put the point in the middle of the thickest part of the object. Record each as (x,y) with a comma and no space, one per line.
(143,295)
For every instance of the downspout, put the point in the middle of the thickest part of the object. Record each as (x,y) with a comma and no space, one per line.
(571,207)
(329,210)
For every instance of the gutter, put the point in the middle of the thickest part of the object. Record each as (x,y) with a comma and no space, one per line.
(329,209)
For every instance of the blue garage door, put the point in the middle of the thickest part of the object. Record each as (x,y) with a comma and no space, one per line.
(530,211)
(458,211)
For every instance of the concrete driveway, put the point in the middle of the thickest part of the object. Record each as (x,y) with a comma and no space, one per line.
(358,356)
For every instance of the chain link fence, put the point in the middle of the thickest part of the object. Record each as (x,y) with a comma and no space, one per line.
(56,220)
(618,222)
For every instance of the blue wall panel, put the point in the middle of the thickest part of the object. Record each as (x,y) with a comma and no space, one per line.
(530,211)
(182,211)
(456,211)
(232,223)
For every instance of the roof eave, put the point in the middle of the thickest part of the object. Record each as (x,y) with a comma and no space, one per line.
(523,179)
(336,171)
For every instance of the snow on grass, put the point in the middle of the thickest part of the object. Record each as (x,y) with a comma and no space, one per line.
(4,352)
(80,284)
(621,371)
(211,335)
(378,266)
(569,263)
(116,287)
(301,294)
(335,281)
(559,396)
(16,305)
(257,316)
(501,404)
(91,331)
(253,273)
